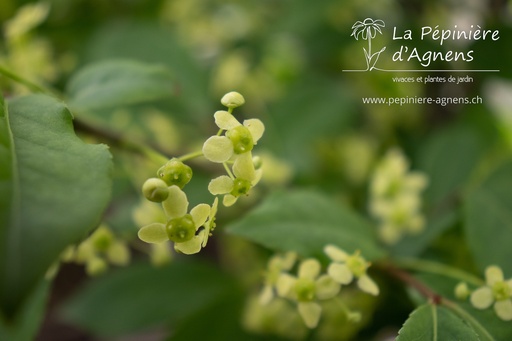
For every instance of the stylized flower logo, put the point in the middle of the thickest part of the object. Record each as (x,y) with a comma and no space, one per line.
(368,29)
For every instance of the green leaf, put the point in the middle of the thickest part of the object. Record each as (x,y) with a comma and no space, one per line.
(304,117)
(142,296)
(154,43)
(488,220)
(54,190)
(484,322)
(435,323)
(306,221)
(118,83)
(26,324)
(448,158)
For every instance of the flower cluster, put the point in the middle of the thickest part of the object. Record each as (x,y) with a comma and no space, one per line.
(496,292)
(395,197)
(97,251)
(310,285)
(232,147)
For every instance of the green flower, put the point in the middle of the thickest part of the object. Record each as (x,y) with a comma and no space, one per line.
(395,197)
(308,287)
(239,139)
(97,251)
(276,265)
(181,227)
(246,177)
(497,291)
(345,267)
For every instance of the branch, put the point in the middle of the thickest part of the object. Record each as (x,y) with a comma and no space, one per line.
(118,140)
(412,282)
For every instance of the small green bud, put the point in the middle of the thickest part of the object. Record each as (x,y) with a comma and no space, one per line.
(257,162)
(240,187)
(175,172)
(305,289)
(182,229)
(462,291)
(241,138)
(232,100)
(155,190)
(96,266)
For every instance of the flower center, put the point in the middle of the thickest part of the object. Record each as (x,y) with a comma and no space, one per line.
(501,291)
(305,289)
(176,173)
(240,187)
(182,229)
(241,138)
(357,265)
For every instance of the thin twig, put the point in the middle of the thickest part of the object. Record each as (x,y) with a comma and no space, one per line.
(412,282)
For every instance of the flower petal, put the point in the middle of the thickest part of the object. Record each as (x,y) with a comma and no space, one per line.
(366,284)
(504,309)
(218,149)
(284,284)
(225,120)
(340,273)
(266,295)
(229,200)
(199,214)
(335,253)
(221,185)
(256,127)
(153,233)
(310,313)
(493,274)
(244,167)
(309,268)
(176,204)
(481,298)
(326,287)
(118,253)
(190,246)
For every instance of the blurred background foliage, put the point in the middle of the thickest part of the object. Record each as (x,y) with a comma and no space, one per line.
(286,57)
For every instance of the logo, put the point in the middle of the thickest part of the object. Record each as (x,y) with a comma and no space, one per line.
(368,29)
(421,60)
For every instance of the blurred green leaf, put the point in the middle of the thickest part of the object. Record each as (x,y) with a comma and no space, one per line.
(448,158)
(150,42)
(488,220)
(224,317)
(141,297)
(413,245)
(304,117)
(54,190)
(117,83)
(432,323)
(306,221)
(26,324)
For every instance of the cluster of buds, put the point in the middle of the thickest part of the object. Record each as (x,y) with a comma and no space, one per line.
(98,251)
(231,147)
(311,285)
(395,197)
